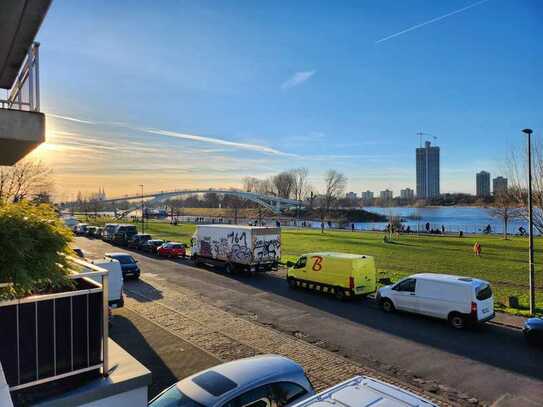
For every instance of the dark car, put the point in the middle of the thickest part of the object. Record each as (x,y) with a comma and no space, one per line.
(124,233)
(138,240)
(90,231)
(129,265)
(533,331)
(152,245)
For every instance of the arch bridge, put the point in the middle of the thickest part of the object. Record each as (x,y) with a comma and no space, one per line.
(273,203)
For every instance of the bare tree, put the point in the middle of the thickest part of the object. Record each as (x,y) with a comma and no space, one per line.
(284,184)
(25,178)
(251,184)
(506,209)
(517,175)
(335,183)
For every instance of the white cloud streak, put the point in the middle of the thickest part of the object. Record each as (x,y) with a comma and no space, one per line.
(433,20)
(184,136)
(297,79)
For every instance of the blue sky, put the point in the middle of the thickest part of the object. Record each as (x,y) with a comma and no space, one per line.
(266,86)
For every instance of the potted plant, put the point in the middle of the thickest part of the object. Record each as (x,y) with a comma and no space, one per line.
(51,319)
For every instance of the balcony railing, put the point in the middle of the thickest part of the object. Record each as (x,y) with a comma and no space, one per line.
(53,336)
(25,93)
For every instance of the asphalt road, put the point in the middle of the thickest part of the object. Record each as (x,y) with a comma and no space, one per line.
(491,362)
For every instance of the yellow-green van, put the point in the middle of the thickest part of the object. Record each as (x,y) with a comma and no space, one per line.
(342,274)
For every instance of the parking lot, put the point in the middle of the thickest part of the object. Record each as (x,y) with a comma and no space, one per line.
(491,363)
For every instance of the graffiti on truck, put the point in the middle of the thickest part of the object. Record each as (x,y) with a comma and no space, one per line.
(267,249)
(240,254)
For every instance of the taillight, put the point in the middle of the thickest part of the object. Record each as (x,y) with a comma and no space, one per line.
(351,282)
(474,309)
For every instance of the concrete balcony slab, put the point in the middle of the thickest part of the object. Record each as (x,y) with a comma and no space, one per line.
(20,133)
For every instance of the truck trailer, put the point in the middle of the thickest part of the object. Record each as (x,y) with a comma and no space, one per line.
(236,247)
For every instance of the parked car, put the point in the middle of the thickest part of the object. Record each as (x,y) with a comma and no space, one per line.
(115,277)
(342,274)
(363,391)
(109,232)
(533,331)
(98,232)
(172,249)
(151,245)
(80,229)
(79,252)
(460,300)
(260,381)
(129,265)
(123,234)
(138,240)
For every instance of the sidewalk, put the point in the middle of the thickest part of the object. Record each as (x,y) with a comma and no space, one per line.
(513,321)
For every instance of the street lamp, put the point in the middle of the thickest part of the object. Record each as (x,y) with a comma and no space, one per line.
(530,223)
(142,212)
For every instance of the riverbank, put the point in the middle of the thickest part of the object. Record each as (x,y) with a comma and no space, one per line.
(503,262)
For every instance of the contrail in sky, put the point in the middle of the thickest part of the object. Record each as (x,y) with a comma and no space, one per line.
(433,20)
(185,136)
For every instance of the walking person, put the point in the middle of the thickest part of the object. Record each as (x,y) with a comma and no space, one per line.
(477,249)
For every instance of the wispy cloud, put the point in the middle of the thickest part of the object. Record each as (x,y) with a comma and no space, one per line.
(297,79)
(184,136)
(433,20)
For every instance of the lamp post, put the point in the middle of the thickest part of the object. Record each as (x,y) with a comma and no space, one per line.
(529,132)
(142,212)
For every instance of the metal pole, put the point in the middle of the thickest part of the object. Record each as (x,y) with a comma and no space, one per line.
(142,215)
(105,324)
(530,224)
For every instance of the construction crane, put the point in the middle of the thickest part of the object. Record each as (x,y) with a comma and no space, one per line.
(420,134)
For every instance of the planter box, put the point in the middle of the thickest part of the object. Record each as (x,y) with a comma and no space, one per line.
(53,335)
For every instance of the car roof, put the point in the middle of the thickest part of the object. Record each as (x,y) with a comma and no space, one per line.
(338,255)
(116,254)
(246,373)
(450,278)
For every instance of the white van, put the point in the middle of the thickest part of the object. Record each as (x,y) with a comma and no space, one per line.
(363,391)
(460,300)
(116,298)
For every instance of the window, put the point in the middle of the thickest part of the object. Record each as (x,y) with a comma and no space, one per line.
(124,259)
(406,285)
(286,392)
(484,292)
(174,398)
(259,397)
(214,383)
(300,264)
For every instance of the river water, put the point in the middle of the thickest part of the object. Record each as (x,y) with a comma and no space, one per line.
(454,219)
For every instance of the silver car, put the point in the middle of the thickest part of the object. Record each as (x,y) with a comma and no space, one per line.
(260,381)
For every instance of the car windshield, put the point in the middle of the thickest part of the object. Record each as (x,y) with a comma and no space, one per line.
(173,397)
(124,259)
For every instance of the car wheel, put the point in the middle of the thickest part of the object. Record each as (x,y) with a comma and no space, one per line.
(228,268)
(292,282)
(339,293)
(387,305)
(457,321)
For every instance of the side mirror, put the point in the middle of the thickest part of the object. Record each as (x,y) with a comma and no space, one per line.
(290,264)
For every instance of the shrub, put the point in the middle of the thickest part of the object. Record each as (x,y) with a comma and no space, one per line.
(32,240)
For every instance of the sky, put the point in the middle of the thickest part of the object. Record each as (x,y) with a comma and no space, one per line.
(180,94)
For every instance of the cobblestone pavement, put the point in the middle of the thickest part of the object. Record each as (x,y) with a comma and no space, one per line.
(228,336)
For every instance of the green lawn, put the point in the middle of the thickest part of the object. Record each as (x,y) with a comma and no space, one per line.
(503,262)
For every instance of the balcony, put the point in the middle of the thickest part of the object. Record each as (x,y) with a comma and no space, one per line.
(22,126)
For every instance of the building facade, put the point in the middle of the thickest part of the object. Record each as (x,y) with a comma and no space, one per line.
(428,177)
(407,194)
(386,195)
(351,196)
(482,184)
(367,197)
(499,185)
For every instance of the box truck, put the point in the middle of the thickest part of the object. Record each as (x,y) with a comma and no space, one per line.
(237,248)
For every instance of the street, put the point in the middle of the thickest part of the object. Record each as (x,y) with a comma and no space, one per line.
(491,363)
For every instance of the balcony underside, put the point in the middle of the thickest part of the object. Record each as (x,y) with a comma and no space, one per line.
(20,133)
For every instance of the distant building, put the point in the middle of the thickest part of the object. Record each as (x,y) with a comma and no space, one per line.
(351,196)
(499,185)
(428,171)
(407,194)
(386,195)
(482,184)
(367,198)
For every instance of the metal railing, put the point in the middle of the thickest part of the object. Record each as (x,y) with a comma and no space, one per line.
(60,362)
(25,93)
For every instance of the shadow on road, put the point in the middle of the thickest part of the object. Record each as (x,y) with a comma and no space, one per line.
(150,292)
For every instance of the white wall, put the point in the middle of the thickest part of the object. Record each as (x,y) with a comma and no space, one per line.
(132,398)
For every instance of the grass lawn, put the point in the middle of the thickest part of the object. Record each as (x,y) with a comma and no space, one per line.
(503,262)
